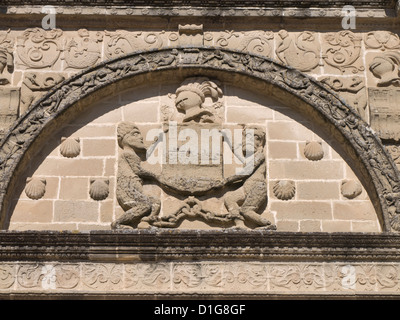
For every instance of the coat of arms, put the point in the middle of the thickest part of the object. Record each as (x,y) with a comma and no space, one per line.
(190,150)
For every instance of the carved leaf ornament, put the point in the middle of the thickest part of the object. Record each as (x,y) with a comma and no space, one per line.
(366,146)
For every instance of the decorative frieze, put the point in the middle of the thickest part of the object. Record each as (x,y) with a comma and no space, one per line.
(201,278)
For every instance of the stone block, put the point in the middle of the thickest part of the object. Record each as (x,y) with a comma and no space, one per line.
(317,190)
(288,130)
(310,226)
(74,189)
(33,211)
(98,147)
(336,226)
(76,211)
(141,112)
(287,225)
(305,170)
(248,114)
(282,150)
(302,210)
(354,210)
(365,226)
(70,167)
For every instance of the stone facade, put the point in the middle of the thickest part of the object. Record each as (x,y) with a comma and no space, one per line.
(89,108)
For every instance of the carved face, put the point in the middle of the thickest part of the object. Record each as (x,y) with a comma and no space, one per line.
(134,140)
(252,141)
(187,99)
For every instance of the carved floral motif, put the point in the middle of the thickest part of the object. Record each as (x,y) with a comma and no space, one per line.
(259,42)
(300,51)
(38,48)
(102,276)
(123,42)
(383,40)
(167,277)
(343,51)
(7,276)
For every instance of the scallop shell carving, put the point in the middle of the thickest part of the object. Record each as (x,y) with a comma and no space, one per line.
(70,147)
(284,190)
(99,189)
(35,188)
(313,151)
(351,189)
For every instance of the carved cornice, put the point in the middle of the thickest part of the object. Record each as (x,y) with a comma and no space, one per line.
(188,245)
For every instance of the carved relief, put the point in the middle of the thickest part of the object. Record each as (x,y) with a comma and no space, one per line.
(6,57)
(190,35)
(99,189)
(299,51)
(297,277)
(138,206)
(150,275)
(359,138)
(284,190)
(202,277)
(123,42)
(384,113)
(102,276)
(394,151)
(7,276)
(259,42)
(343,51)
(38,48)
(35,85)
(352,90)
(385,67)
(83,51)
(190,98)
(9,107)
(351,189)
(193,172)
(70,147)
(35,188)
(313,150)
(383,40)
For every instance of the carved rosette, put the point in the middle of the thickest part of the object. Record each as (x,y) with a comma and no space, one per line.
(383,40)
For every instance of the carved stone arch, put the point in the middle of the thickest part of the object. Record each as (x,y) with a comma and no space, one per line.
(284,83)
